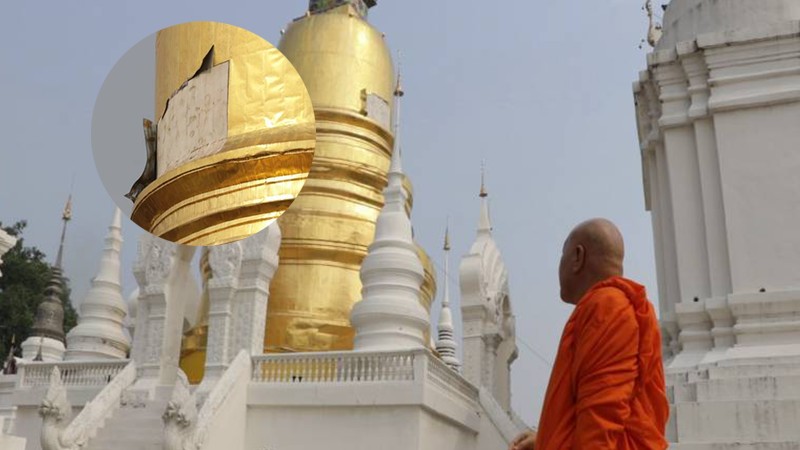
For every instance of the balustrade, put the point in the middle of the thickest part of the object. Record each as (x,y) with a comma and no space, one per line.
(73,373)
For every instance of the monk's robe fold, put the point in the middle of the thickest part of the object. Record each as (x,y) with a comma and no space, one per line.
(607,386)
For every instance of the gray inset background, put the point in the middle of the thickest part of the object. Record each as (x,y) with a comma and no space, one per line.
(127,96)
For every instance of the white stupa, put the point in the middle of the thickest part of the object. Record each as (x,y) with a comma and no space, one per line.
(718,111)
(390,316)
(99,333)
(446,344)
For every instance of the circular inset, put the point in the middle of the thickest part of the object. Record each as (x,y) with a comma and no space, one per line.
(225,148)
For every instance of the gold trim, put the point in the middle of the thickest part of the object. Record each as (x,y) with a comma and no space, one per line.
(251,187)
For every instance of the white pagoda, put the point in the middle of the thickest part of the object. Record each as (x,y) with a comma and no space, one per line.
(718,111)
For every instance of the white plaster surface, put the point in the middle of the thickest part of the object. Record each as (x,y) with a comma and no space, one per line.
(719,118)
(195,124)
(685,19)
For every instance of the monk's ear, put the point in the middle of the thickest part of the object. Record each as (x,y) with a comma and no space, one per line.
(580,258)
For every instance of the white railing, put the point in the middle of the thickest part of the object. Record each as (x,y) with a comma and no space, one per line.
(438,372)
(503,422)
(101,407)
(73,373)
(335,367)
(220,393)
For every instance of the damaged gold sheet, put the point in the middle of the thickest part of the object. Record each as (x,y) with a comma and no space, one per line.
(260,139)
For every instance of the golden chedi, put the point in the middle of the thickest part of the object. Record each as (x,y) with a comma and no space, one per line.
(347,69)
(233,140)
(195,340)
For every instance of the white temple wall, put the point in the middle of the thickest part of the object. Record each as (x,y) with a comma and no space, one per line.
(761,197)
(721,161)
(506,353)
(713,209)
(684,182)
(27,423)
(338,427)
(664,205)
(472,343)
(228,429)
(682,170)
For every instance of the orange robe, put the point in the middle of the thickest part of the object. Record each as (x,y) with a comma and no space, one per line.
(607,386)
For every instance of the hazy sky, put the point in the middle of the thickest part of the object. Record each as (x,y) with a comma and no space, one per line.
(540,90)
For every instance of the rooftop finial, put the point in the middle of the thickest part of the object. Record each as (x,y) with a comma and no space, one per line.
(654,28)
(446,344)
(398,88)
(321,6)
(447,235)
(484,224)
(483,181)
(39,356)
(398,92)
(66,216)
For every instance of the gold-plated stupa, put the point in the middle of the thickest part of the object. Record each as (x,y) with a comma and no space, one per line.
(235,135)
(347,68)
(195,340)
(348,71)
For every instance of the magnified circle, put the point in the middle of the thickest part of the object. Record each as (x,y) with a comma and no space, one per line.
(203,133)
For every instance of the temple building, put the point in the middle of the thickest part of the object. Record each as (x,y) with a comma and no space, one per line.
(718,111)
(316,329)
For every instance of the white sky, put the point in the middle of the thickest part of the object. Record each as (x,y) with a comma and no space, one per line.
(540,90)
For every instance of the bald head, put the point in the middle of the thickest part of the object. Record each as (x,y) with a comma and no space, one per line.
(593,251)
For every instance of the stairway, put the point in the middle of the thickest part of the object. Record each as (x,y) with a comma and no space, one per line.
(132,428)
(740,408)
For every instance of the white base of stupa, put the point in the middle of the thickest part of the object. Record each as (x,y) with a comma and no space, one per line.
(52,350)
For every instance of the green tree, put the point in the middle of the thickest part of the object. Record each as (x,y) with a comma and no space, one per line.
(24,276)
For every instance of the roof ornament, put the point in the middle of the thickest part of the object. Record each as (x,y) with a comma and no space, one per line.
(654,28)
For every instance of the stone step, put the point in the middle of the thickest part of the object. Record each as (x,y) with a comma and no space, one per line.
(753,371)
(754,388)
(121,445)
(132,428)
(786,445)
(738,421)
(123,431)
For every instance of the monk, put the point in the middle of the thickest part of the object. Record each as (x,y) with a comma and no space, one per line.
(606,390)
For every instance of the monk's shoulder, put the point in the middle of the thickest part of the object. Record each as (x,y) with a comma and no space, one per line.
(606,304)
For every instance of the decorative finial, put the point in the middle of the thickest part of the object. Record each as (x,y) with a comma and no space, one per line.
(360,7)
(447,236)
(398,92)
(484,224)
(10,364)
(446,345)
(654,28)
(483,181)
(38,356)
(398,87)
(66,216)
